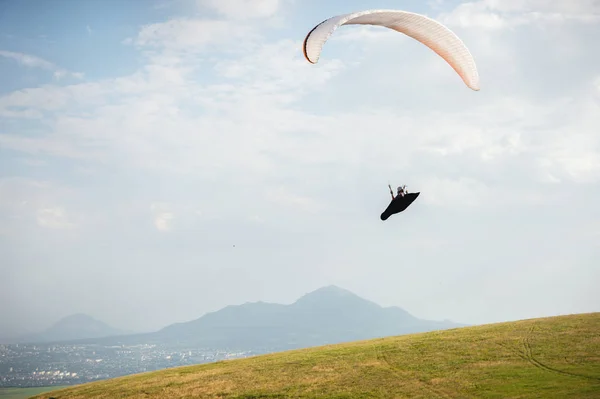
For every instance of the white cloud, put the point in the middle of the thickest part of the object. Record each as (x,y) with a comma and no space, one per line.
(28,60)
(190,36)
(54,218)
(550,6)
(501,14)
(163,216)
(32,61)
(26,200)
(243,9)
(193,35)
(55,98)
(162,221)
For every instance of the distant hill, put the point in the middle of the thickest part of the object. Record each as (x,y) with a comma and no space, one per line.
(75,327)
(327,315)
(554,357)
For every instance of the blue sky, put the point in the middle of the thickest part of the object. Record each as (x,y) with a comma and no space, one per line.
(141,141)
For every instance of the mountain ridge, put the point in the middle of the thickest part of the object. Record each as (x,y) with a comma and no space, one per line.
(326,315)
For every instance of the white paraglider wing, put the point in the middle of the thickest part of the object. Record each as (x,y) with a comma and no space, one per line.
(426,30)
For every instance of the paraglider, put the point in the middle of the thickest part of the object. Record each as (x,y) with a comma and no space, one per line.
(425,30)
(429,32)
(400,202)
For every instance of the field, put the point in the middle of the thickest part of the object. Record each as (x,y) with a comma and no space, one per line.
(556,357)
(23,393)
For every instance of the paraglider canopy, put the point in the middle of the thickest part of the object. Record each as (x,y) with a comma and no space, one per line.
(426,30)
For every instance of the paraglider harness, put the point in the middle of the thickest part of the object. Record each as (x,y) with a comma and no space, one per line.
(402,191)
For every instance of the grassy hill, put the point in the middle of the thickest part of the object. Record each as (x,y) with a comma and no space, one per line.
(557,357)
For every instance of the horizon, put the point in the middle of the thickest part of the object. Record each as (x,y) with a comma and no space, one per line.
(173,157)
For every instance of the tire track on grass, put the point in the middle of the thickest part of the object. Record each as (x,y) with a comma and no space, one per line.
(527,354)
(431,390)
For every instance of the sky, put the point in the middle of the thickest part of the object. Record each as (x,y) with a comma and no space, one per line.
(163,159)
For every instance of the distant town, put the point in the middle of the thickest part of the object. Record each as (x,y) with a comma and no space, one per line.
(37,365)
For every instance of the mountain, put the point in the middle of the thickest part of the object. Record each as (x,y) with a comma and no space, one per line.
(327,315)
(74,327)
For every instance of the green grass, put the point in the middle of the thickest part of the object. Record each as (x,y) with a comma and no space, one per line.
(23,393)
(556,357)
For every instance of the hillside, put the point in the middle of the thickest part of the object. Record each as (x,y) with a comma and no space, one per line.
(556,357)
(74,327)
